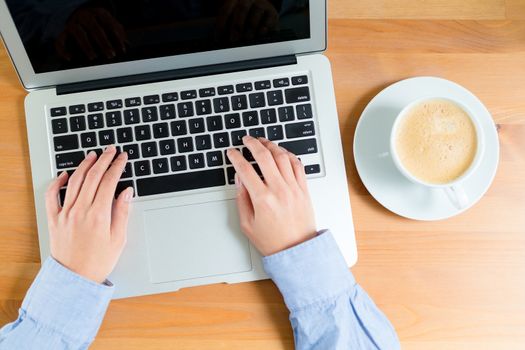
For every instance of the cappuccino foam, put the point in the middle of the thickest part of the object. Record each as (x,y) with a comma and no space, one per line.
(436,141)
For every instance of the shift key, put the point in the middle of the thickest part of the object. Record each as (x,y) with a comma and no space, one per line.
(299,147)
(69,160)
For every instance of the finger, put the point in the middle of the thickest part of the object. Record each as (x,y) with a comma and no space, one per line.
(298,169)
(239,19)
(108,185)
(60,47)
(264,159)
(77,179)
(114,28)
(119,222)
(256,16)
(244,205)
(93,178)
(269,23)
(246,172)
(84,43)
(282,160)
(52,203)
(100,38)
(224,16)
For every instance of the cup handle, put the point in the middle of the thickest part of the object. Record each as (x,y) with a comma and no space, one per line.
(457,195)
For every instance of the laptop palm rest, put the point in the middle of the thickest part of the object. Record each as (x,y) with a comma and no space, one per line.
(195,241)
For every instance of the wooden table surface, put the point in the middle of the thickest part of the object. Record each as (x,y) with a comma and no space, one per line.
(453,284)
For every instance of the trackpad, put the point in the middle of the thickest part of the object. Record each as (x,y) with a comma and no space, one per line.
(195,241)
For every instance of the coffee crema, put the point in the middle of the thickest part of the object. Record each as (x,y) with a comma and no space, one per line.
(436,141)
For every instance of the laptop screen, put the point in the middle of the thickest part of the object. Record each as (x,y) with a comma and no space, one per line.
(61,35)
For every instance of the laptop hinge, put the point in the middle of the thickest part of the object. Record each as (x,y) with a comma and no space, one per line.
(176,74)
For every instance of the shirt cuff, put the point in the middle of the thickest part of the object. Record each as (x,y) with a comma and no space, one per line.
(67,302)
(310,272)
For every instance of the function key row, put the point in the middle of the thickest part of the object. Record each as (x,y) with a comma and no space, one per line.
(184,95)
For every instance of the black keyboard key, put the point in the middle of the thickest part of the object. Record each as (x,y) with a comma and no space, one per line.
(148,149)
(58,111)
(203,142)
(232,121)
(106,137)
(178,163)
(142,168)
(203,107)
(113,118)
(131,150)
(230,174)
(226,156)
(142,132)
(160,165)
(178,128)
(247,155)
(256,132)
(77,109)
(62,196)
(181,182)
(123,185)
(275,132)
(149,114)
(65,143)
(286,114)
(239,102)
(281,82)
(95,107)
(170,97)
(167,112)
(127,172)
(131,116)
(59,126)
(114,104)
(161,130)
(132,102)
(300,94)
(124,135)
(196,125)
(185,109)
(275,97)
(77,123)
(261,85)
(244,87)
(185,144)
(95,121)
(88,139)
(301,129)
(151,99)
(188,94)
(250,118)
(304,111)
(300,80)
(208,92)
(257,100)
(225,90)
(299,147)
(196,161)
(237,136)
(268,116)
(221,140)
(69,160)
(214,158)
(167,147)
(214,123)
(312,169)
(221,105)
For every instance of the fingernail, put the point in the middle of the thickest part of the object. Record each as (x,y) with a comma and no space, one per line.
(109,148)
(238,183)
(91,154)
(129,194)
(62,174)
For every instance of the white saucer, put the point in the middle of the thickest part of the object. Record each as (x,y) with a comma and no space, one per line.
(377,170)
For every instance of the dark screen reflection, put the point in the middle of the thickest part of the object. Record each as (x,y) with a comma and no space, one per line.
(63,35)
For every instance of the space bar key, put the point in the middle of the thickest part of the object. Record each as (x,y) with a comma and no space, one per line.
(180,182)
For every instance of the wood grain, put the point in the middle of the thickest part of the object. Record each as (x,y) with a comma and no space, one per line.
(453,284)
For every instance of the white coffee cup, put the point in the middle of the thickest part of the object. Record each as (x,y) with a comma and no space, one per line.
(454,189)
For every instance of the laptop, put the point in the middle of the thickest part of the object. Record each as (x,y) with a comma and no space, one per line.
(175,84)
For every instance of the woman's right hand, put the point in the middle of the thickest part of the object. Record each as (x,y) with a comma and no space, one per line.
(275,214)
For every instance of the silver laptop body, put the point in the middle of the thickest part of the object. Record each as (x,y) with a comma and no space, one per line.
(170,110)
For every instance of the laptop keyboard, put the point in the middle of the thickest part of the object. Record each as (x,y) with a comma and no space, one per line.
(177,141)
